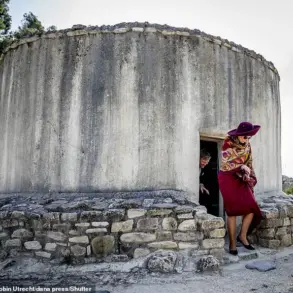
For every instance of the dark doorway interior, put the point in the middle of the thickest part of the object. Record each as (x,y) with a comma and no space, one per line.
(210,179)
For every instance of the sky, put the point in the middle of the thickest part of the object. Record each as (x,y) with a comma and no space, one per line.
(262,26)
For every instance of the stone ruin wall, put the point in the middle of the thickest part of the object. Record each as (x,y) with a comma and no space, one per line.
(87,229)
(93,227)
(135,230)
(276,229)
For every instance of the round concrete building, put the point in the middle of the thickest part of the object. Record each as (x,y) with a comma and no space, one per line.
(128,107)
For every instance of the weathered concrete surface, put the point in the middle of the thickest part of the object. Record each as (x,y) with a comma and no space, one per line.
(92,111)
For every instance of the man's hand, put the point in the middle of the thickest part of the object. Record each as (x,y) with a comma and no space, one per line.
(203,189)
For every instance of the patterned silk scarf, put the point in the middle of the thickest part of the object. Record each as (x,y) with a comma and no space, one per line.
(234,155)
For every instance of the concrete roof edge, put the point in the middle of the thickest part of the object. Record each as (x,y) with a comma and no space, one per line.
(145,27)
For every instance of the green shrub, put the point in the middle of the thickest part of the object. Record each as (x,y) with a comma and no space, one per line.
(289,190)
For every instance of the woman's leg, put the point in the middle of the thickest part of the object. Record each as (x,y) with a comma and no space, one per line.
(231,221)
(246,221)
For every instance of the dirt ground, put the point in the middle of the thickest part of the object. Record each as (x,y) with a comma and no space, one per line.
(231,278)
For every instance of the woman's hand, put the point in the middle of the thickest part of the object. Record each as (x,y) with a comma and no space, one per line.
(246,177)
(245,169)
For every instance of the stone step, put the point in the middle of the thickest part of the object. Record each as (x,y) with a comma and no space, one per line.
(243,254)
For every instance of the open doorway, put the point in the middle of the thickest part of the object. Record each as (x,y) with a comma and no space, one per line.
(210,179)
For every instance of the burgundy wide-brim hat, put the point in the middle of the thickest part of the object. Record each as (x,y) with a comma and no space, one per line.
(244,128)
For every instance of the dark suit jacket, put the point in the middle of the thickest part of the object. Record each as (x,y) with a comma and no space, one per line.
(201,176)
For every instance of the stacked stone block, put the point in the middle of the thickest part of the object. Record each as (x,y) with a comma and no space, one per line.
(276,228)
(108,229)
(111,233)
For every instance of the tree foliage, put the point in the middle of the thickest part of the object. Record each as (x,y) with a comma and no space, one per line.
(51,28)
(5,18)
(30,26)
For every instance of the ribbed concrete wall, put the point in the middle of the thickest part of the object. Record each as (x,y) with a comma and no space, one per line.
(92,110)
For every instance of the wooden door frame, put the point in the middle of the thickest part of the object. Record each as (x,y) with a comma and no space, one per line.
(219,140)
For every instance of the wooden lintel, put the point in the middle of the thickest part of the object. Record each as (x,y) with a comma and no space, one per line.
(211,137)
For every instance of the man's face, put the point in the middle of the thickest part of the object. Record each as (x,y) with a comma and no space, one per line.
(203,162)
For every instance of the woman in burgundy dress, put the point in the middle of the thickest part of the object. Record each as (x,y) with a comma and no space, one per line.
(236,181)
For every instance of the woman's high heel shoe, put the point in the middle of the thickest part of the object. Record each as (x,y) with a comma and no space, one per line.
(250,247)
(233,251)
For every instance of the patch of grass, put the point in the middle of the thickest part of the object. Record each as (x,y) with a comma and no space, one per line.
(289,190)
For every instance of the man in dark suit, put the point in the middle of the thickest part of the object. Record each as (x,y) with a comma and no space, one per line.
(203,192)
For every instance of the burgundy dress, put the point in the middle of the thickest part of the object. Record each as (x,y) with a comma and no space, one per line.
(236,188)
